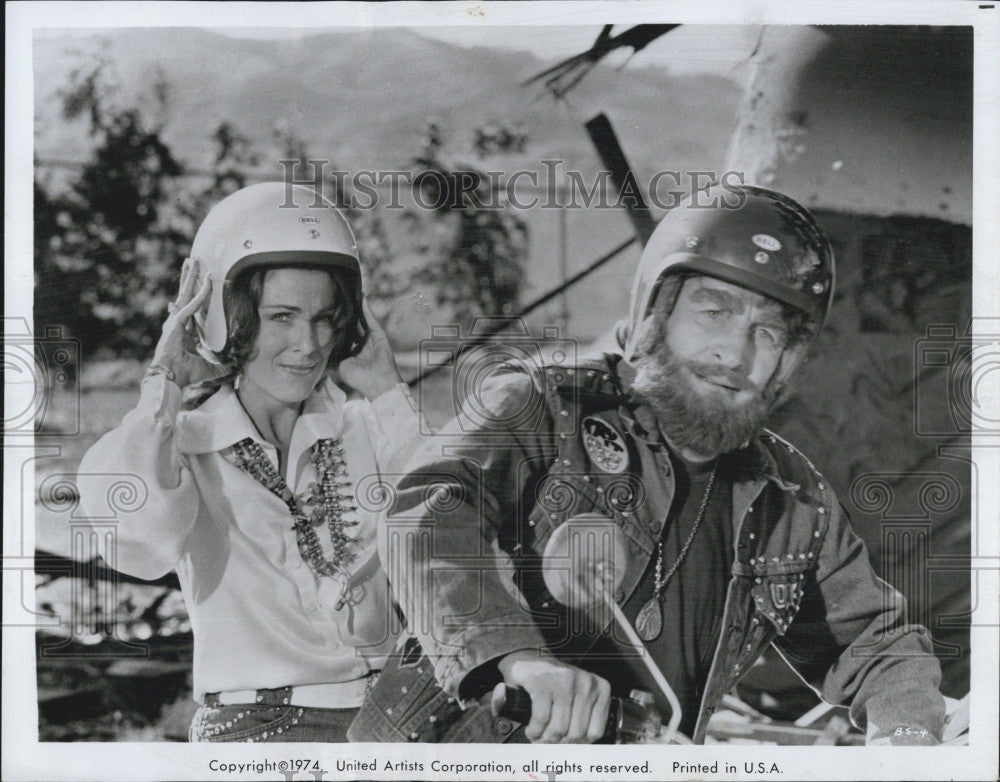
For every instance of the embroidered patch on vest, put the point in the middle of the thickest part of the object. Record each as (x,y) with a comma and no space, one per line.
(411,653)
(784,594)
(605,447)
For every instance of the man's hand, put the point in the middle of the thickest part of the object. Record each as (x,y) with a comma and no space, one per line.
(568,705)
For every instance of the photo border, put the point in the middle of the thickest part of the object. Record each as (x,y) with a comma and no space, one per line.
(25,758)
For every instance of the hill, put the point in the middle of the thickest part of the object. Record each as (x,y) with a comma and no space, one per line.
(362,98)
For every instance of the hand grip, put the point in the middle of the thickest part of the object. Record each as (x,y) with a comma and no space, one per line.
(514,703)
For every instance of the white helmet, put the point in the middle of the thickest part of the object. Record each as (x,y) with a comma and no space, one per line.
(268,224)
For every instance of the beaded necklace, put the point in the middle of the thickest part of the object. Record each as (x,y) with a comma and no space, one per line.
(329,500)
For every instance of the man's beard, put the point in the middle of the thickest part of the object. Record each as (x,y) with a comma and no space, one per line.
(707,424)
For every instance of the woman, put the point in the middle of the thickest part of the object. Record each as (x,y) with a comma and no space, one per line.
(260,486)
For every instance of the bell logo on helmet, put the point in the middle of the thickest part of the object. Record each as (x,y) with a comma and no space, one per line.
(765,242)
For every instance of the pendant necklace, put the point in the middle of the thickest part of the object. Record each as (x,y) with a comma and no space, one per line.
(649,620)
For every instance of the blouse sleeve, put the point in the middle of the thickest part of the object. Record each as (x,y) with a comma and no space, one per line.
(397,428)
(140,458)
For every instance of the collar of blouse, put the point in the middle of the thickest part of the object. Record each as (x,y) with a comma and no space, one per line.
(221,421)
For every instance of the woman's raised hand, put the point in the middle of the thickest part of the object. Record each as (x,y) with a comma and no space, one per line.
(176,351)
(373,371)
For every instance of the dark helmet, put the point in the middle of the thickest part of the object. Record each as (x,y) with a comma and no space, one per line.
(751,237)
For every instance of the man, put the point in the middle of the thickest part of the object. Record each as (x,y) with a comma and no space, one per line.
(734,541)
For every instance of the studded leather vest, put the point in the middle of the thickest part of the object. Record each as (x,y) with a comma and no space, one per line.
(608,460)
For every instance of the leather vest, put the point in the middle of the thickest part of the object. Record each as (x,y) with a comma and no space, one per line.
(604,461)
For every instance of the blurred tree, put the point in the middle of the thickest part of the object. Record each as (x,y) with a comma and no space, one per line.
(234,158)
(231,169)
(373,243)
(104,252)
(496,139)
(470,251)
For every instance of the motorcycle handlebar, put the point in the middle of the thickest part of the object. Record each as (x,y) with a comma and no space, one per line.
(627,721)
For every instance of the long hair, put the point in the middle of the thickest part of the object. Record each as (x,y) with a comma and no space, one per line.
(241,299)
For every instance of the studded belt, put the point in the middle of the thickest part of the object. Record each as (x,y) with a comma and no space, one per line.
(330,695)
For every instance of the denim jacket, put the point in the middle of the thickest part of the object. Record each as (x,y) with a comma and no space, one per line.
(472,516)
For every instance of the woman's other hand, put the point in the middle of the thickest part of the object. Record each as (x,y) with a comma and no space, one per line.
(373,371)
(176,351)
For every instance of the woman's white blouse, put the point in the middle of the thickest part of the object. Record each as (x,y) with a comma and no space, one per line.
(261,618)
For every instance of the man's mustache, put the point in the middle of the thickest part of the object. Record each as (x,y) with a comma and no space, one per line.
(722,375)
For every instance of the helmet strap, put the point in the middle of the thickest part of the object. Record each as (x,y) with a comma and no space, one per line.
(790,359)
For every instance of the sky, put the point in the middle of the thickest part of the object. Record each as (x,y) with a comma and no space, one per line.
(715,49)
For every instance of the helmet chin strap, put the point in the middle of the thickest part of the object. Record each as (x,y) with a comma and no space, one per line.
(790,359)
(202,350)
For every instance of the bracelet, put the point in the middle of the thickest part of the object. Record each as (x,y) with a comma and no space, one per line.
(159,369)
